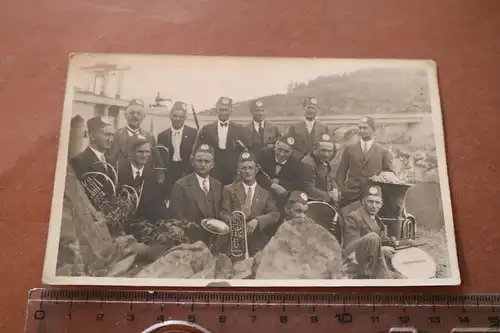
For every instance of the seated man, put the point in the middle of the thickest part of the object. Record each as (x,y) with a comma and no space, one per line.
(318,183)
(254,201)
(367,248)
(198,195)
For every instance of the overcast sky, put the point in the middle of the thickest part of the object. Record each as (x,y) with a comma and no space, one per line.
(202,80)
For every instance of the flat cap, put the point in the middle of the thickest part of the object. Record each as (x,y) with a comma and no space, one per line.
(95,124)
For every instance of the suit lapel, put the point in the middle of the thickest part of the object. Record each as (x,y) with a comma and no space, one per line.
(370,222)
(230,134)
(302,129)
(240,193)
(268,132)
(258,200)
(370,152)
(216,190)
(198,195)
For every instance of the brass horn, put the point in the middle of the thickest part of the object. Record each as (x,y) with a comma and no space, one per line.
(238,235)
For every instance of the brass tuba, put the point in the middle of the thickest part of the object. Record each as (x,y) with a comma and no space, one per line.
(238,241)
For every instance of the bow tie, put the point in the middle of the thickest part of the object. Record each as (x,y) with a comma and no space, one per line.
(223,124)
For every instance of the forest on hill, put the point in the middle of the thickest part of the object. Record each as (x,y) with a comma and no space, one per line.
(376,90)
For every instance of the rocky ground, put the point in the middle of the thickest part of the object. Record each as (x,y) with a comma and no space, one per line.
(436,246)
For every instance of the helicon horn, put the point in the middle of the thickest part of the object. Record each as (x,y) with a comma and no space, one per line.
(238,235)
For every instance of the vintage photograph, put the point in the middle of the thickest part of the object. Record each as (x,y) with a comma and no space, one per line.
(238,171)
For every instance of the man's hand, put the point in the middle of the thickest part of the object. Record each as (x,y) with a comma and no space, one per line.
(280,190)
(334,194)
(275,180)
(251,226)
(388,252)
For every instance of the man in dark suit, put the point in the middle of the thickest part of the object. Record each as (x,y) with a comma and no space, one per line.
(198,196)
(91,166)
(308,131)
(254,201)
(367,247)
(178,140)
(93,158)
(262,132)
(318,184)
(284,170)
(139,175)
(121,150)
(360,161)
(223,135)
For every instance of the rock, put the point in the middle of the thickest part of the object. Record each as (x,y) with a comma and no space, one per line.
(182,262)
(223,267)
(301,249)
(243,269)
(122,266)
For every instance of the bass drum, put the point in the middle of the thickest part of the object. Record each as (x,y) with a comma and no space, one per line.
(328,217)
(414,263)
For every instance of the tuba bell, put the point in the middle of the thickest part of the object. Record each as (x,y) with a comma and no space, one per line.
(238,241)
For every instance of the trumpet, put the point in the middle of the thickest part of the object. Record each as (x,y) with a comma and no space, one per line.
(238,235)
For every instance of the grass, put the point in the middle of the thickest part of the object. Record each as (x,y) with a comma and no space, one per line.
(437,248)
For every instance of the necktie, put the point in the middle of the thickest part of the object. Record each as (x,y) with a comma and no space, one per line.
(365,147)
(247,207)
(205,186)
(278,167)
(103,161)
(137,175)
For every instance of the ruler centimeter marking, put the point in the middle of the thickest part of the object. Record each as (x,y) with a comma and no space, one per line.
(57,311)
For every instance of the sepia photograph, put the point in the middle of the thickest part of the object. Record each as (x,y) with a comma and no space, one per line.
(180,170)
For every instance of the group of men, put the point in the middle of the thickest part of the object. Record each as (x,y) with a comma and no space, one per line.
(194,174)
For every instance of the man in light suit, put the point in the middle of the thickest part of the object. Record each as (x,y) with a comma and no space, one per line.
(179,140)
(254,201)
(262,133)
(223,134)
(360,161)
(367,247)
(198,196)
(308,131)
(121,150)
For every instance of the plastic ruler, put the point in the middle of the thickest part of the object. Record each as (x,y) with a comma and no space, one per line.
(96,311)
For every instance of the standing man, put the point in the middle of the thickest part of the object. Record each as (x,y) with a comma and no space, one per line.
(360,161)
(139,174)
(179,140)
(198,196)
(318,184)
(255,202)
(367,248)
(121,150)
(308,131)
(93,158)
(222,135)
(262,133)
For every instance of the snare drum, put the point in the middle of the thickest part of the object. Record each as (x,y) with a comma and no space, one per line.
(414,263)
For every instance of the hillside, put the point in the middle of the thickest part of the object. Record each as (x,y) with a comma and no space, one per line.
(362,91)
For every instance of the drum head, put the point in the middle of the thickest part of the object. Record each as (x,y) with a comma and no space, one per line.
(326,216)
(414,263)
(214,226)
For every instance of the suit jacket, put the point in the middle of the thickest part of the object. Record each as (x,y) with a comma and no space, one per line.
(149,206)
(121,150)
(317,180)
(303,140)
(188,202)
(258,141)
(355,168)
(291,175)
(357,224)
(225,160)
(263,209)
(87,161)
(185,149)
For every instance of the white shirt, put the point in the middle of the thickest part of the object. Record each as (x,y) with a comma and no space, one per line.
(98,154)
(202,181)
(310,125)
(253,186)
(222,134)
(256,125)
(131,132)
(134,171)
(368,144)
(176,142)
